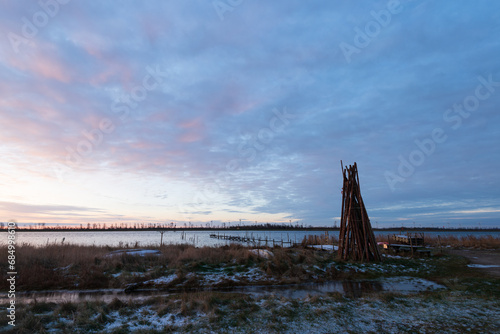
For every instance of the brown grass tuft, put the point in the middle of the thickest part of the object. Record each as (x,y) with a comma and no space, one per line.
(58,266)
(324,239)
(469,241)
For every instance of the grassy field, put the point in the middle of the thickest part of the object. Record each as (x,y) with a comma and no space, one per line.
(193,276)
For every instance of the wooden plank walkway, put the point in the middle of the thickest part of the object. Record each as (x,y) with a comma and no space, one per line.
(253,240)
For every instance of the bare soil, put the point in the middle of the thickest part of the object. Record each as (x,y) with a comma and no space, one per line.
(485,257)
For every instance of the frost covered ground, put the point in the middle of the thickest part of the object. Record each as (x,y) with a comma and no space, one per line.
(269,270)
(216,313)
(439,294)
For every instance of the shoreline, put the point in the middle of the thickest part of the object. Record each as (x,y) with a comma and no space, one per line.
(277,229)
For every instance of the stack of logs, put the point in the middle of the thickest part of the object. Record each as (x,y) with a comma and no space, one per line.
(356,239)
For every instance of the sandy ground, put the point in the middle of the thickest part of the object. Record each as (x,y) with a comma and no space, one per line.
(481,257)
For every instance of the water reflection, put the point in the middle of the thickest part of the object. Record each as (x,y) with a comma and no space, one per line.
(356,289)
(352,289)
(197,238)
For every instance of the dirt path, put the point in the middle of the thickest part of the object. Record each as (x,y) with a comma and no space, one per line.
(481,258)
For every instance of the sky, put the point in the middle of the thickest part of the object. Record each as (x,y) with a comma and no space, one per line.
(227,110)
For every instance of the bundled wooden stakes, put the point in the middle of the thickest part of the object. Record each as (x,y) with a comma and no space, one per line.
(356,239)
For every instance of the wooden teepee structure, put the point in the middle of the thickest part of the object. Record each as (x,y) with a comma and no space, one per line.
(356,239)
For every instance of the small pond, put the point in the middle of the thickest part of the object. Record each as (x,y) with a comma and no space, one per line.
(404,285)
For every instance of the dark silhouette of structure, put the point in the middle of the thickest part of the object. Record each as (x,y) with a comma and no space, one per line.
(356,238)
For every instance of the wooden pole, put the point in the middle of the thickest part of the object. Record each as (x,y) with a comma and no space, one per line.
(356,238)
(411,244)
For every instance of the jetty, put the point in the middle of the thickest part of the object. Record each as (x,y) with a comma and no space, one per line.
(253,240)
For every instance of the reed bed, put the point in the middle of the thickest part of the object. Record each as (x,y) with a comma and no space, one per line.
(469,241)
(324,239)
(67,266)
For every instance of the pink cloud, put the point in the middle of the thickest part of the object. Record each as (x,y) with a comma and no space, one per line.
(110,68)
(42,60)
(232,99)
(190,137)
(195,124)
(153,29)
(51,69)
(193,130)
(160,116)
(145,145)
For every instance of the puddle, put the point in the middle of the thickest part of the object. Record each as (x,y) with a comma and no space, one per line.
(74,296)
(353,289)
(483,266)
(349,288)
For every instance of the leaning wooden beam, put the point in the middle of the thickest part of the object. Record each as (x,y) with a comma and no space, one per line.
(356,238)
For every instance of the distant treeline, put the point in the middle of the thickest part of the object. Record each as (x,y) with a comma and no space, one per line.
(218,227)
(163,226)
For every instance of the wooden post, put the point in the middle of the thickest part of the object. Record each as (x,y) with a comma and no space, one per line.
(411,244)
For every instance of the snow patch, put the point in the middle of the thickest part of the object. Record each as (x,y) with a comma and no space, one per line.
(162,280)
(262,253)
(136,252)
(392,256)
(409,284)
(326,247)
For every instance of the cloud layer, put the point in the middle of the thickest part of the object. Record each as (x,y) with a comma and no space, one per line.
(212,110)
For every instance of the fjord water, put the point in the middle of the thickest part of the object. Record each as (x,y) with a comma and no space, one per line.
(197,238)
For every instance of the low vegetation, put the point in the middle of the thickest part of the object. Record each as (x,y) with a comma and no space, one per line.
(215,312)
(66,266)
(60,266)
(324,239)
(470,241)
(197,302)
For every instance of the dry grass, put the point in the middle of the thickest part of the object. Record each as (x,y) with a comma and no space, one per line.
(177,255)
(470,241)
(323,239)
(43,267)
(482,242)
(59,266)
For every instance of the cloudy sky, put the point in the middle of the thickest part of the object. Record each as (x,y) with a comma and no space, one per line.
(201,110)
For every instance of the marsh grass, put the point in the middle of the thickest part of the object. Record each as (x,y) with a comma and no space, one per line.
(468,241)
(218,312)
(323,239)
(59,266)
(42,307)
(228,309)
(66,309)
(66,266)
(452,267)
(49,266)
(31,323)
(292,265)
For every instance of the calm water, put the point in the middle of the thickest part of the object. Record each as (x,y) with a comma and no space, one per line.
(349,288)
(197,238)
